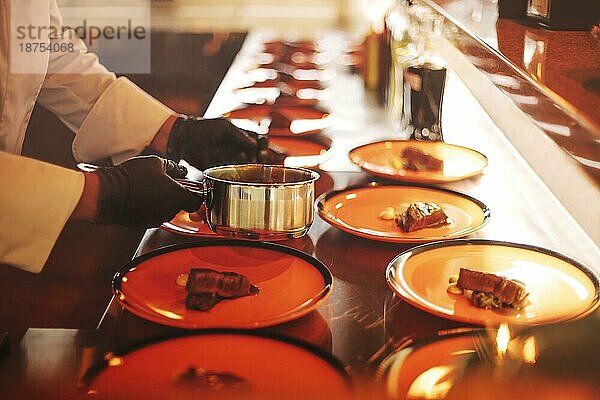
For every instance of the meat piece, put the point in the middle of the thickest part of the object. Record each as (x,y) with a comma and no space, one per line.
(227,285)
(505,290)
(206,287)
(207,381)
(478,281)
(201,301)
(421,215)
(418,160)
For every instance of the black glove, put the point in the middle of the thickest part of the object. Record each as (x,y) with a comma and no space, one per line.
(206,143)
(141,193)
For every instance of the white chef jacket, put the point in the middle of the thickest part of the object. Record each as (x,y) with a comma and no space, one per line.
(110,117)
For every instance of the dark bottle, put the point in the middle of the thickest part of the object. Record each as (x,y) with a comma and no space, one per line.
(424,90)
(423,78)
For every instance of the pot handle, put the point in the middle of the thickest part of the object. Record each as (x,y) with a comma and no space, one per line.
(193,186)
(199,189)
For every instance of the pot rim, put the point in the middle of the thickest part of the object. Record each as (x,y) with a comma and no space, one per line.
(313,175)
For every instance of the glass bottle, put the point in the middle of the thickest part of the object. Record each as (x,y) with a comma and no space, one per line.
(422,76)
(402,52)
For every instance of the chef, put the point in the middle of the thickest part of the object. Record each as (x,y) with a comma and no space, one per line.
(111,118)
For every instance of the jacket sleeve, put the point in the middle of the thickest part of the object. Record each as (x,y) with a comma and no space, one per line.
(37,199)
(111,117)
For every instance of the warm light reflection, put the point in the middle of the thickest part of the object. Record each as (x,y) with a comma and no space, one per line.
(308,93)
(534,56)
(307,125)
(350,196)
(588,162)
(311,74)
(502,339)
(375,12)
(522,99)
(262,74)
(432,384)
(529,271)
(558,129)
(303,161)
(124,279)
(530,350)
(115,361)
(339,205)
(463,352)
(505,81)
(264,58)
(166,313)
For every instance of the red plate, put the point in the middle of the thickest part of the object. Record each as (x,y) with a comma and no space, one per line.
(291,284)
(220,365)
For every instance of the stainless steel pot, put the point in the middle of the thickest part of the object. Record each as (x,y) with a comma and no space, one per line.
(259,202)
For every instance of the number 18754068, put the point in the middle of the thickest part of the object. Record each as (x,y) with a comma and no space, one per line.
(34,47)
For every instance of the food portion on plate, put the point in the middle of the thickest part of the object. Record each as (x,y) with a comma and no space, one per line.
(225,275)
(206,287)
(494,282)
(219,365)
(209,382)
(422,215)
(415,159)
(418,161)
(418,215)
(488,290)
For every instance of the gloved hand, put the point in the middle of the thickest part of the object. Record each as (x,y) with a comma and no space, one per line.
(206,143)
(141,193)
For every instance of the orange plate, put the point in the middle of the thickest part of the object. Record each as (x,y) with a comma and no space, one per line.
(269,368)
(356,211)
(428,369)
(301,131)
(254,112)
(559,288)
(305,151)
(459,162)
(291,284)
(298,147)
(258,112)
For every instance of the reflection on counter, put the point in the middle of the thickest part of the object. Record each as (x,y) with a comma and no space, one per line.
(534,55)
(543,72)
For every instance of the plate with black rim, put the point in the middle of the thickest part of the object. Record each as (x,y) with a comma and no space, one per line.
(559,288)
(290,284)
(357,209)
(428,368)
(219,364)
(383,159)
